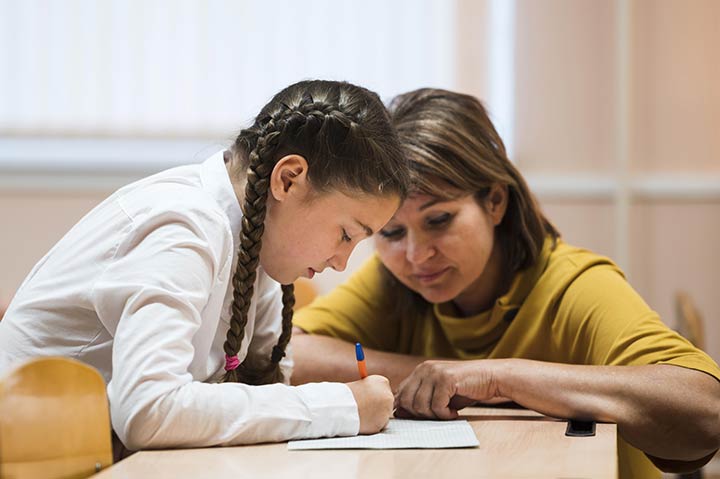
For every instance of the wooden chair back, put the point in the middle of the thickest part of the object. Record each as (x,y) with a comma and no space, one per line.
(305,292)
(54,420)
(690,322)
(690,326)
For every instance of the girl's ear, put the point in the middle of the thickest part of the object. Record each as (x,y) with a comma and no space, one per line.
(289,178)
(497,201)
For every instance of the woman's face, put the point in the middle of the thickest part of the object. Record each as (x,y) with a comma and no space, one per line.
(445,250)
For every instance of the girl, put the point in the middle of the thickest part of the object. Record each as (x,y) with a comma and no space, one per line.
(170,286)
(470,269)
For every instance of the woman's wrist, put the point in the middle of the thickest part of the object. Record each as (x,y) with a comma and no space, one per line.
(503,376)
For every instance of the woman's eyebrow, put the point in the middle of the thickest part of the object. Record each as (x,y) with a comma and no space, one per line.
(429,204)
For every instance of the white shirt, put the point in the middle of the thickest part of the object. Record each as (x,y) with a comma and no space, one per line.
(141,289)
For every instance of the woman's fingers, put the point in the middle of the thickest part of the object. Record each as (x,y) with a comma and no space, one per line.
(427,392)
(438,389)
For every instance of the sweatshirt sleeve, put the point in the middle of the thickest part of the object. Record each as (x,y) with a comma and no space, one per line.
(602,320)
(151,298)
(354,311)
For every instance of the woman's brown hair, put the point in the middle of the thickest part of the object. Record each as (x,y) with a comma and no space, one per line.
(343,131)
(453,149)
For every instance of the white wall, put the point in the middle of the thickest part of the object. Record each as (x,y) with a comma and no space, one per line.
(612,109)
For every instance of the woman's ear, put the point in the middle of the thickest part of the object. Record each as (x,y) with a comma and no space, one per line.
(497,201)
(289,178)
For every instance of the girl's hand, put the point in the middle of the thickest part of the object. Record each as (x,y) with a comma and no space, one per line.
(438,389)
(375,402)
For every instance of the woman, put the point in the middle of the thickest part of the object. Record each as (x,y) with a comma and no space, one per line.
(468,269)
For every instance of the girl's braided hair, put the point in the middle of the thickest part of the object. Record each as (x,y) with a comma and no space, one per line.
(344,133)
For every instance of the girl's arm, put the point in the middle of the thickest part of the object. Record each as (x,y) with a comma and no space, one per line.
(667,411)
(152,298)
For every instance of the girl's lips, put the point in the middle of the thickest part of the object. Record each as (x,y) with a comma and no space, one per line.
(311,273)
(429,278)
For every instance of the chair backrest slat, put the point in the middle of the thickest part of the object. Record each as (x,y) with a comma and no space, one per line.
(54,420)
(690,322)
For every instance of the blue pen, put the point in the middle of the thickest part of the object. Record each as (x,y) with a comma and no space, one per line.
(360,356)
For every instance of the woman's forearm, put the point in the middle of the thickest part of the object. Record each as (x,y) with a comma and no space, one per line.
(667,411)
(323,358)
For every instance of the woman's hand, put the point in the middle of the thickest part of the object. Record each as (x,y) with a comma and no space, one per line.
(439,389)
(669,412)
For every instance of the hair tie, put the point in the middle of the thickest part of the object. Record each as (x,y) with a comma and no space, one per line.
(231,362)
(277,354)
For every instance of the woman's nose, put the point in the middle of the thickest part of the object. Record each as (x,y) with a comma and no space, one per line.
(419,249)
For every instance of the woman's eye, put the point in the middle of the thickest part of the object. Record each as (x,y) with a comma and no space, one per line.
(345,236)
(392,234)
(439,220)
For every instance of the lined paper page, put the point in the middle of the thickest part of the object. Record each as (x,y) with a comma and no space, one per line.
(401,434)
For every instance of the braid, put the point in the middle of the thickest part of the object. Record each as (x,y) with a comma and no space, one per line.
(288,300)
(308,115)
(258,370)
(311,117)
(254,208)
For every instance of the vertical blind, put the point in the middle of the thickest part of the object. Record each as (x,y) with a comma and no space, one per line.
(191,68)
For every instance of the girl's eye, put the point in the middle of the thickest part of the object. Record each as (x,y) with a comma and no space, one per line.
(345,236)
(393,234)
(439,220)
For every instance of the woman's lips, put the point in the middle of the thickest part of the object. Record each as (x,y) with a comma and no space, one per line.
(426,278)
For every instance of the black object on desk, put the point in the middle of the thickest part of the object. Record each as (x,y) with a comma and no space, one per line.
(580,428)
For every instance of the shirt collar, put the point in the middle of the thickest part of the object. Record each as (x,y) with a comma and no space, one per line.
(525,280)
(474,334)
(216,180)
(520,287)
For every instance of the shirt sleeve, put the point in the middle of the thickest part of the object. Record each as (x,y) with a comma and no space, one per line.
(353,311)
(602,320)
(157,285)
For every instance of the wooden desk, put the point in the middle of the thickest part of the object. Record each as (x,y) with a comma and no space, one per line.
(513,444)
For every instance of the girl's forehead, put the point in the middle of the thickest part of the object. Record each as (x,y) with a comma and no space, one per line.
(368,209)
(420,197)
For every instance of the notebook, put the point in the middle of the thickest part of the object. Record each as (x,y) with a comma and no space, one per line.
(401,434)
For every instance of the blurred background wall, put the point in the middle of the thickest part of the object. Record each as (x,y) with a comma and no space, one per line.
(610,108)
